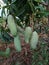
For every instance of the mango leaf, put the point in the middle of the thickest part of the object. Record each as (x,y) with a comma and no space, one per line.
(45,13)
(5,1)
(40,7)
(13,1)
(3,12)
(39,1)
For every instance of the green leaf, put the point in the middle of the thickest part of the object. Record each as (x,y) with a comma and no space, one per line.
(3,12)
(13,1)
(5,1)
(39,1)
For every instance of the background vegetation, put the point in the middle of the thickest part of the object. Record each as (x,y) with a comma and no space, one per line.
(33,13)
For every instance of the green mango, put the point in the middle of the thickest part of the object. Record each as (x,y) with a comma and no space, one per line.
(12,25)
(27,34)
(34,40)
(5,53)
(17,43)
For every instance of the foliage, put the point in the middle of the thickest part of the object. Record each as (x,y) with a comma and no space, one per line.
(21,8)
(27,11)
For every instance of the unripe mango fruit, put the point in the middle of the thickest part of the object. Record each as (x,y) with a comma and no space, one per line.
(5,53)
(27,34)
(12,25)
(17,43)
(34,40)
